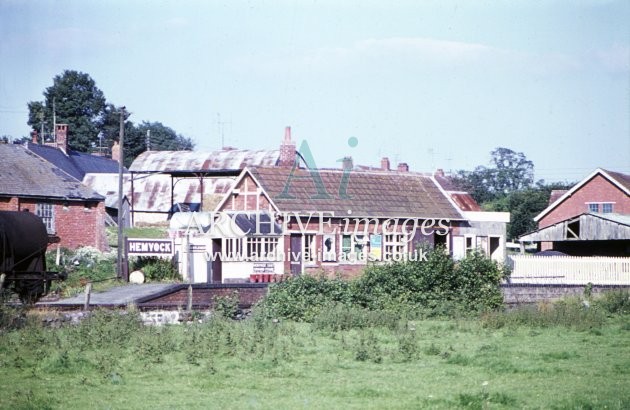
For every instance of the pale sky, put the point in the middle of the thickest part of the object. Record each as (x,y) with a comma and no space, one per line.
(436,84)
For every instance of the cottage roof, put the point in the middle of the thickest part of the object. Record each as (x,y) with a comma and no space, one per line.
(199,161)
(622,181)
(360,194)
(25,174)
(76,164)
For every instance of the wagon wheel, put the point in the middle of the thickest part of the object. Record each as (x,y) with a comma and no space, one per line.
(30,291)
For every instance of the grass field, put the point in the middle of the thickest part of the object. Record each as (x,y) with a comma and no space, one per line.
(112,362)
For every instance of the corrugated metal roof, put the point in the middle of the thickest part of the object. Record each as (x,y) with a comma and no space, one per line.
(369,194)
(25,174)
(195,160)
(465,201)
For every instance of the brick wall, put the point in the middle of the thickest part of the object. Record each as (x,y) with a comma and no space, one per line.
(76,223)
(598,189)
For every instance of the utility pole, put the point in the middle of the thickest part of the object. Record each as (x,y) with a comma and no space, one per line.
(54,129)
(121,272)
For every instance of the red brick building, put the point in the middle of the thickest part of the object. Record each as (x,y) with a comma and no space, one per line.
(68,208)
(600,192)
(590,219)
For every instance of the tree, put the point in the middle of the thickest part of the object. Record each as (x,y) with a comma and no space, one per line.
(509,171)
(77,102)
(160,137)
(92,121)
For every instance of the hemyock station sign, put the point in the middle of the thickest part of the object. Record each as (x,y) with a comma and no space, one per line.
(149,247)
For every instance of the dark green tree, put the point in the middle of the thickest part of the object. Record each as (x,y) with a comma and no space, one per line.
(157,135)
(77,102)
(508,172)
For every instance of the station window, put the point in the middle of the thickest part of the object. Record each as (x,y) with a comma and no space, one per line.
(47,213)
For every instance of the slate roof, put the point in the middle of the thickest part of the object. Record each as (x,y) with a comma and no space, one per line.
(622,179)
(76,164)
(372,194)
(25,174)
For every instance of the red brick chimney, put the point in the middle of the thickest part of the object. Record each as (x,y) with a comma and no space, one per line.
(34,137)
(403,167)
(287,150)
(347,164)
(385,164)
(61,137)
(439,172)
(116,151)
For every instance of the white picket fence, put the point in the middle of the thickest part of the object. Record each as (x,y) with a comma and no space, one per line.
(570,270)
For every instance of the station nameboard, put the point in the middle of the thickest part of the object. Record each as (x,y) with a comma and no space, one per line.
(149,247)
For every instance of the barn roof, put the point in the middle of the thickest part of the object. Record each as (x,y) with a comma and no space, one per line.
(199,161)
(76,164)
(25,174)
(367,194)
(585,227)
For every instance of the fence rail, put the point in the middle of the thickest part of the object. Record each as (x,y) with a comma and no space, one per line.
(570,270)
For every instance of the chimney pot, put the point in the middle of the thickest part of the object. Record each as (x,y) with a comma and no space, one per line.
(34,137)
(116,151)
(439,172)
(61,137)
(403,167)
(287,150)
(385,164)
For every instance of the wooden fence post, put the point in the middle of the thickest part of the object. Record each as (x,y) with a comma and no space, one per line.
(88,291)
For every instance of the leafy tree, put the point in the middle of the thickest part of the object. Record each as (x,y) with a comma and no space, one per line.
(509,171)
(162,138)
(92,120)
(78,102)
(524,205)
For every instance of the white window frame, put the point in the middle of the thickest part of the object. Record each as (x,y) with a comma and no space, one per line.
(260,248)
(46,211)
(329,256)
(609,204)
(357,251)
(394,246)
(309,249)
(594,205)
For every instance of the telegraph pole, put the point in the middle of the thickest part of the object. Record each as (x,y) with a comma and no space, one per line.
(121,272)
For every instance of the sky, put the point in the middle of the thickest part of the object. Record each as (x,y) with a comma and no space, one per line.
(435,84)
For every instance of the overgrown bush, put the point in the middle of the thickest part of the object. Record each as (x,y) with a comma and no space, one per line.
(437,286)
(304,297)
(615,302)
(156,269)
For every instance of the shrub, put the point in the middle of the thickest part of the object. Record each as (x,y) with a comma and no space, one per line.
(303,297)
(156,269)
(226,306)
(438,286)
(615,302)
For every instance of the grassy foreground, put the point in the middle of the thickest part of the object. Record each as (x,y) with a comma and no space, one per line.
(110,361)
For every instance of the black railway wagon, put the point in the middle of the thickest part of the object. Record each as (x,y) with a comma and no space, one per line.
(23,243)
